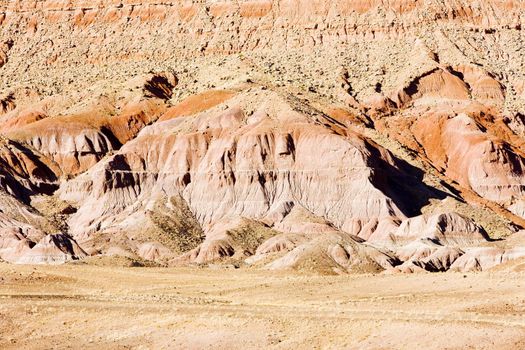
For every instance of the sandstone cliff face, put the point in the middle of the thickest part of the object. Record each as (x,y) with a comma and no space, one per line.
(331,135)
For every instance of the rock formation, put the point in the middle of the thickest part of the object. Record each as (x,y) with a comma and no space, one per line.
(335,136)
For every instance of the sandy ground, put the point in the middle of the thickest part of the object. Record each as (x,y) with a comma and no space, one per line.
(153,308)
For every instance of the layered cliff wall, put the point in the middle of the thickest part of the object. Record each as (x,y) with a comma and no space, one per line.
(82,38)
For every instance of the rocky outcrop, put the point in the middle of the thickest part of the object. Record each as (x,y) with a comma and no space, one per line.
(335,253)
(24,172)
(23,244)
(471,157)
(445,229)
(480,259)
(52,249)
(13,244)
(227,164)
(77,142)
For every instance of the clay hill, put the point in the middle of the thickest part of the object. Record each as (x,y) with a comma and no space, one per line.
(334,136)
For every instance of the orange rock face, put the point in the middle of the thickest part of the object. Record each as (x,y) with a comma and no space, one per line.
(338,136)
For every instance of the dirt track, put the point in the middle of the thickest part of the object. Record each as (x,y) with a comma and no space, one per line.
(143,308)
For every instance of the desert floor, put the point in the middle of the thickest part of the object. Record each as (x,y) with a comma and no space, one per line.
(81,306)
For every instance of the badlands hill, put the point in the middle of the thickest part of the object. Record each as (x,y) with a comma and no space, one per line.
(335,136)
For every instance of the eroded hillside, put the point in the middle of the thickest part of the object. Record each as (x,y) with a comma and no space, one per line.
(337,136)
